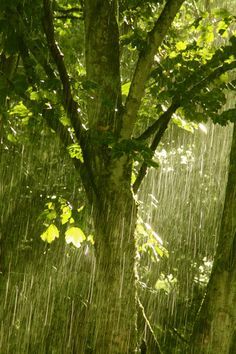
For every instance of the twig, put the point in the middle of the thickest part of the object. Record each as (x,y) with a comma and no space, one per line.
(149,325)
(180,336)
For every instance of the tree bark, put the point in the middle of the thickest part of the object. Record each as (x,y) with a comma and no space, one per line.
(115,310)
(216,322)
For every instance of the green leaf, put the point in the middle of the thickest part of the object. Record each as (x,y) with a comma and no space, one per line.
(65,121)
(66,214)
(75,236)
(20,84)
(80,209)
(210,36)
(125,88)
(229,115)
(11,138)
(75,151)
(34,96)
(91,239)
(20,110)
(181,123)
(51,215)
(50,234)
(181,45)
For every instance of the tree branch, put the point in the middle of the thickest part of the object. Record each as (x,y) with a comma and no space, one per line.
(212,76)
(66,139)
(148,324)
(55,124)
(161,124)
(190,89)
(153,127)
(70,105)
(164,121)
(144,64)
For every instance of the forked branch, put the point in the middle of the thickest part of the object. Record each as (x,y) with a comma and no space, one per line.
(161,124)
(144,64)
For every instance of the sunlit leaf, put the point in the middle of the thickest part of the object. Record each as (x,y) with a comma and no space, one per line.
(66,214)
(189,126)
(224,77)
(181,45)
(75,236)
(210,36)
(80,209)
(90,239)
(11,138)
(125,88)
(50,205)
(75,151)
(65,121)
(50,234)
(34,96)
(20,110)
(162,285)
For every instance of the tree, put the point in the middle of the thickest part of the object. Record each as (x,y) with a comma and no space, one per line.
(88,113)
(215,325)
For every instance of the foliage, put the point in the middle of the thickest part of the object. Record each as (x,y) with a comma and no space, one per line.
(61,213)
(189,54)
(148,242)
(110,116)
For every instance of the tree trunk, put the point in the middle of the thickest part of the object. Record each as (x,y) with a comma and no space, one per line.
(214,329)
(115,285)
(114,210)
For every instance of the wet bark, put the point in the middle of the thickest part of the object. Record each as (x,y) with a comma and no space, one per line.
(214,329)
(113,315)
(115,284)
(112,318)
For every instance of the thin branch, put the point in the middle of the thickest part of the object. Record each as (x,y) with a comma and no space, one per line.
(66,139)
(190,91)
(153,128)
(28,63)
(147,322)
(179,335)
(54,123)
(211,77)
(164,119)
(83,168)
(144,64)
(70,105)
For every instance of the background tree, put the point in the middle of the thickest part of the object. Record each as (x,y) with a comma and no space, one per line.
(215,326)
